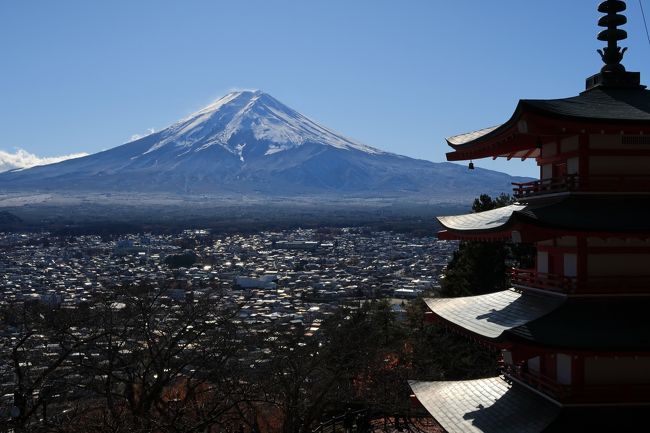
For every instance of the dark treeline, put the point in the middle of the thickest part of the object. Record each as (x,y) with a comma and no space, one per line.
(61,221)
(407,225)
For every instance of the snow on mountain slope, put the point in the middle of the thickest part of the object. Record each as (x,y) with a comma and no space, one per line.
(248,142)
(270,121)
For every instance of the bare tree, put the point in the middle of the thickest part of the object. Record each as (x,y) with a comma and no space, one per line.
(164,365)
(38,346)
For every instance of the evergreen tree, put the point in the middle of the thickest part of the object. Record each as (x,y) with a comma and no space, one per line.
(482,267)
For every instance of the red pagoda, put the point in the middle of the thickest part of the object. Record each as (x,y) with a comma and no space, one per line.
(574,331)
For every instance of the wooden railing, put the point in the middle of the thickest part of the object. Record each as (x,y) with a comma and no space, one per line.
(552,282)
(545,186)
(573,182)
(623,284)
(538,381)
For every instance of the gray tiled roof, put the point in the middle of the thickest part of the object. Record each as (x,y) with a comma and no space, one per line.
(470,136)
(591,213)
(593,324)
(493,314)
(613,105)
(485,406)
(619,213)
(488,220)
(627,105)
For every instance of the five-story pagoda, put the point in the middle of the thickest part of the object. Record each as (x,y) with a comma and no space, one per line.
(574,331)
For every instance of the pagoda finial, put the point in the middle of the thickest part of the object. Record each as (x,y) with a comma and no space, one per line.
(613,74)
(612,55)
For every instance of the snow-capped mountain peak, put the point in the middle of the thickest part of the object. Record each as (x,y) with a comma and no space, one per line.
(248,142)
(250,119)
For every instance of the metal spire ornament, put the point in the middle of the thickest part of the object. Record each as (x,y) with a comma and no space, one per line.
(613,74)
(612,55)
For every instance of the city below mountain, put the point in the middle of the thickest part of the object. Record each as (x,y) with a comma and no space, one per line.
(250,143)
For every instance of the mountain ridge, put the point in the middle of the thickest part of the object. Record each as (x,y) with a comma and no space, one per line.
(248,142)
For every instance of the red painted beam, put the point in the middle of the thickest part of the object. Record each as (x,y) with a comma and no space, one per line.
(512,140)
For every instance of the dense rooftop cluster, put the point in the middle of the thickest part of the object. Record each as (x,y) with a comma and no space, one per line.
(286,281)
(282,271)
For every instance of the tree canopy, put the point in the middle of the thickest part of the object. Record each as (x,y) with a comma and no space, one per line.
(478,268)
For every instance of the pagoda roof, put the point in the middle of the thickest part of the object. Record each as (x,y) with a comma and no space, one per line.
(599,104)
(495,219)
(493,314)
(573,213)
(458,140)
(485,406)
(597,110)
(591,213)
(600,324)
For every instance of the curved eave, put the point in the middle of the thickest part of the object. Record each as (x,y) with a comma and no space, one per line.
(613,216)
(496,236)
(485,406)
(511,139)
(517,233)
(535,120)
(491,220)
(528,233)
(616,325)
(618,216)
(493,225)
(489,316)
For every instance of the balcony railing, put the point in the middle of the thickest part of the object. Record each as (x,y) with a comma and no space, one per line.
(573,182)
(538,280)
(538,381)
(545,186)
(622,284)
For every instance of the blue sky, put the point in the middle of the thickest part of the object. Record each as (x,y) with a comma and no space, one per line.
(82,76)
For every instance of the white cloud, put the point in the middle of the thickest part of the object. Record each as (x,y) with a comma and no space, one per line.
(23,159)
(139,136)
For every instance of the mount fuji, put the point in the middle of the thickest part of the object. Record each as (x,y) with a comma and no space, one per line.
(250,143)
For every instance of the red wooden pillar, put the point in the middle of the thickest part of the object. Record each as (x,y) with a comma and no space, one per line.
(583,158)
(578,373)
(582,268)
